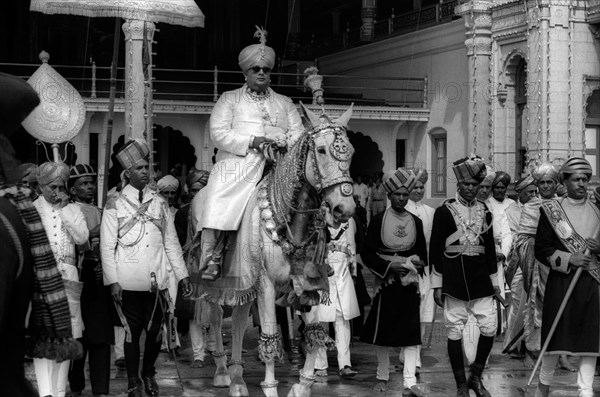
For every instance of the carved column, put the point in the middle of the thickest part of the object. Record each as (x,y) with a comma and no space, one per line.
(135,89)
(477,16)
(368,13)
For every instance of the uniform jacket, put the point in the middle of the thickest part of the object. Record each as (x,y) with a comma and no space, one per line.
(148,247)
(236,117)
(462,277)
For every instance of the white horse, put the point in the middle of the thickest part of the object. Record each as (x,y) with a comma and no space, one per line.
(280,251)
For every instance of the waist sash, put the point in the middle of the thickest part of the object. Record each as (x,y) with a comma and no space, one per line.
(566,233)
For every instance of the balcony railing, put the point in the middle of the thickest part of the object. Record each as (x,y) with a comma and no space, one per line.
(207,85)
(384,28)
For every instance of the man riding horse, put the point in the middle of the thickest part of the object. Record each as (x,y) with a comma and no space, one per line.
(248,126)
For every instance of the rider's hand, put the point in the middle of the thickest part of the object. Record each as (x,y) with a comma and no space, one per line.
(116,291)
(258,141)
(438,297)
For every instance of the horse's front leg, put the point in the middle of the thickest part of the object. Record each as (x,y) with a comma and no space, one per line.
(239,321)
(314,338)
(269,344)
(221,377)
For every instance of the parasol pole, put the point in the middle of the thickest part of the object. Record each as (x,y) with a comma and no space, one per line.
(111,106)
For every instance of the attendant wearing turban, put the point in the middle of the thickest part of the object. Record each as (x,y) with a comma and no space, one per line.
(96,302)
(29,278)
(464,278)
(568,239)
(65,227)
(527,190)
(168,187)
(202,339)
(243,123)
(395,251)
(425,213)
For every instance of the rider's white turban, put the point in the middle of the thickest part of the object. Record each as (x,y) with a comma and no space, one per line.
(257,54)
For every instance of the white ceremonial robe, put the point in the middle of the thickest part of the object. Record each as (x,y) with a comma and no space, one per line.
(66,227)
(235,118)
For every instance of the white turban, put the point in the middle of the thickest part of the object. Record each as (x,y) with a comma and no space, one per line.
(167,183)
(257,54)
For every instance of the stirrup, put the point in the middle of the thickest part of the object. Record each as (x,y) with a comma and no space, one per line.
(212,272)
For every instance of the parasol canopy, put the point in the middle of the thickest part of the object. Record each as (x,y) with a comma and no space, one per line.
(174,12)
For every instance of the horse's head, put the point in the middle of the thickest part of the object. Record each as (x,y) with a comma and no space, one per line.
(328,165)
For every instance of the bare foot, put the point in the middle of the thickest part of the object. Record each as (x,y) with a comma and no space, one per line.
(197,364)
(380,386)
(529,361)
(563,362)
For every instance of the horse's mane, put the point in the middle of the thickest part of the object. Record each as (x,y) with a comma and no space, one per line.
(285,182)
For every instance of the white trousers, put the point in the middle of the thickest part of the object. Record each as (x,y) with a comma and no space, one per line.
(119,342)
(410,364)
(202,339)
(51,377)
(342,344)
(585,374)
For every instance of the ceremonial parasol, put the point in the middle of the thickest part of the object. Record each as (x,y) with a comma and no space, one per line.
(140,16)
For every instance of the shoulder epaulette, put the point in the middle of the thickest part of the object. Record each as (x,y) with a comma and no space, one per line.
(111,202)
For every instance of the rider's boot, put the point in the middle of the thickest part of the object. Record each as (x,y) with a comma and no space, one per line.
(213,243)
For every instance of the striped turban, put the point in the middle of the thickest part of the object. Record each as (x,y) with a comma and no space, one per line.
(257,54)
(501,177)
(81,170)
(395,179)
(523,183)
(168,182)
(50,171)
(421,174)
(133,153)
(469,169)
(197,176)
(545,169)
(575,165)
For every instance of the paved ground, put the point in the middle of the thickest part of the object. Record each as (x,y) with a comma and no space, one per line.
(504,378)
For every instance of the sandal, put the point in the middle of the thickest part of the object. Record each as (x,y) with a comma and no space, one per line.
(212,272)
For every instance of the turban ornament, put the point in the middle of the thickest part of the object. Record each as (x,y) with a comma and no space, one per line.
(50,171)
(257,54)
(503,177)
(395,179)
(523,183)
(575,165)
(168,182)
(545,169)
(469,169)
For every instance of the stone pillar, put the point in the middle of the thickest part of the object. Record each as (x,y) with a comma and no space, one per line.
(477,16)
(368,14)
(135,112)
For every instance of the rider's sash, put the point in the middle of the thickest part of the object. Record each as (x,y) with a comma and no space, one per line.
(566,233)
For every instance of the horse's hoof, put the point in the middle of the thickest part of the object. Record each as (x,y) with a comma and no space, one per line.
(221,380)
(238,389)
(300,390)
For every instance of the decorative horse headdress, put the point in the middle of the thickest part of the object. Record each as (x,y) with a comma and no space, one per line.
(340,149)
